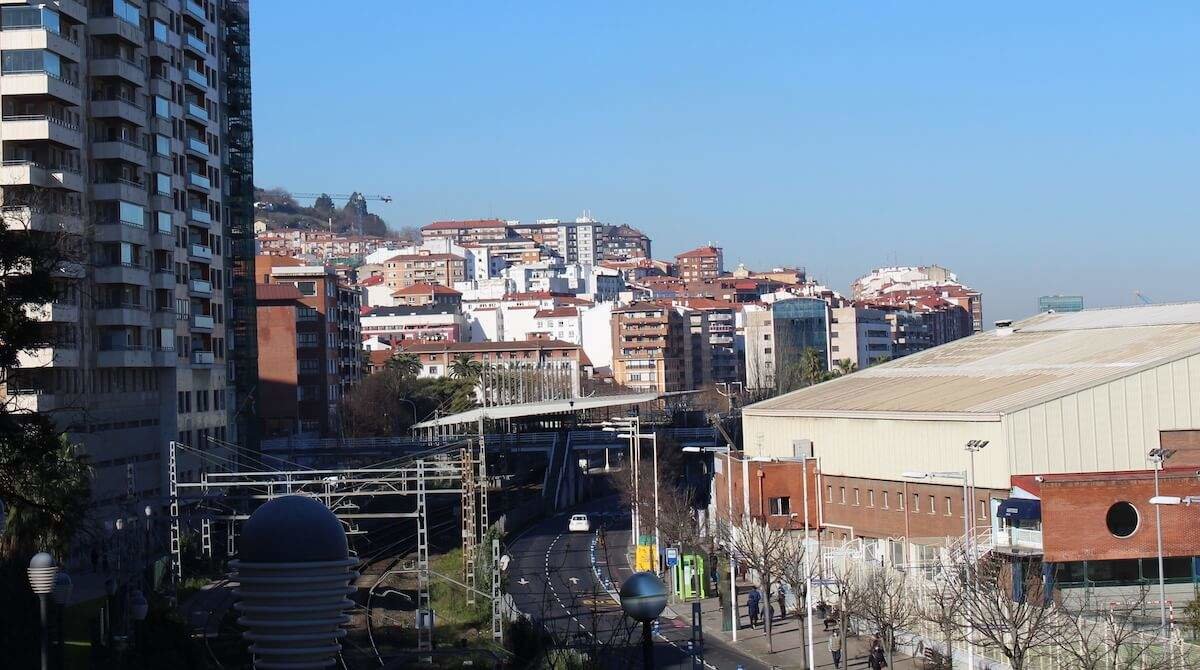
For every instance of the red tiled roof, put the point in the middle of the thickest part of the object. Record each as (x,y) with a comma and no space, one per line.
(371,281)
(425,257)
(468,347)
(473,223)
(276,292)
(422,288)
(700,252)
(556,312)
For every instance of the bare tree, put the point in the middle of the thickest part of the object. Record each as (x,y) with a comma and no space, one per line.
(1014,628)
(940,608)
(761,549)
(797,567)
(883,599)
(1107,640)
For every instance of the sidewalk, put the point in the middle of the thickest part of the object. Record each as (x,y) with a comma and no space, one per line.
(789,643)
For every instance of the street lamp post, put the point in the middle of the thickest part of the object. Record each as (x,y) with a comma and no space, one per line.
(1157,458)
(42,573)
(972,447)
(964,476)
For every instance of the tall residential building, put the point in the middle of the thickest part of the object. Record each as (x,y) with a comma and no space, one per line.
(652,348)
(128,128)
(328,338)
(777,337)
(1060,303)
(707,262)
(460,232)
(423,267)
(859,334)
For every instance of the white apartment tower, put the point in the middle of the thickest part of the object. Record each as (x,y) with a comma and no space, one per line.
(126,126)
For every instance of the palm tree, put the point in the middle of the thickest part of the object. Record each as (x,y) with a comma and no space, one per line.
(844,367)
(407,364)
(812,368)
(466,368)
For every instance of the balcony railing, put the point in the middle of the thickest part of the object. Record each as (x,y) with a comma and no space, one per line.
(1023,538)
(197,77)
(203,358)
(200,215)
(201,251)
(69,125)
(196,144)
(202,321)
(197,111)
(201,286)
(199,180)
(195,9)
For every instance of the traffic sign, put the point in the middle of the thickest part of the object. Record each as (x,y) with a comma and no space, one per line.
(672,557)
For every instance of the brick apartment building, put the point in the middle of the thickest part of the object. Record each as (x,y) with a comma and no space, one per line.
(652,348)
(424,294)
(423,267)
(278,310)
(707,262)
(470,231)
(328,337)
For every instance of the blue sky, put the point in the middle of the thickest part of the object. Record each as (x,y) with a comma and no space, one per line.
(1031,147)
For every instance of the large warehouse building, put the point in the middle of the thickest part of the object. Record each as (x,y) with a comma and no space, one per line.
(1056,397)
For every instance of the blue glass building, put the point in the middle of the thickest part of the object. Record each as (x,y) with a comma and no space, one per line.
(1060,303)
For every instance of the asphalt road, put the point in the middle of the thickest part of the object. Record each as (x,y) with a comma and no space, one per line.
(552,577)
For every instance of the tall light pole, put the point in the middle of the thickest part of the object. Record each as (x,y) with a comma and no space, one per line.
(42,573)
(1157,458)
(964,476)
(972,447)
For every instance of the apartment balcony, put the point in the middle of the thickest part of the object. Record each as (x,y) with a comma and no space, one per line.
(34,400)
(28,173)
(40,83)
(195,78)
(125,150)
(125,109)
(124,356)
(120,189)
(196,146)
(159,51)
(53,312)
(163,278)
(199,182)
(200,216)
(200,287)
(42,127)
(49,357)
(200,252)
(122,231)
(116,27)
(195,44)
(1017,540)
(202,322)
(720,339)
(28,218)
(119,68)
(134,274)
(123,315)
(74,9)
(163,358)
(203,358)
(195,9)
(196,112)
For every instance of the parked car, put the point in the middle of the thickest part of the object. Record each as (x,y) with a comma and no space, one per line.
(579,524)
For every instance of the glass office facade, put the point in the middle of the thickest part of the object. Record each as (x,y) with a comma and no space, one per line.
(799,324)
(1060,303)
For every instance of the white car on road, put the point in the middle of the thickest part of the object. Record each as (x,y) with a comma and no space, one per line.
(579,524)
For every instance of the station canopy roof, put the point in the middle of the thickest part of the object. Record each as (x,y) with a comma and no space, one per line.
(543,407)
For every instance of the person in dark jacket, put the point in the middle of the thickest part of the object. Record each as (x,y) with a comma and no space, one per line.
(753,600)
(876,659)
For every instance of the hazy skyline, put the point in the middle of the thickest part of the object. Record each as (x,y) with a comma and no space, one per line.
(1033,150)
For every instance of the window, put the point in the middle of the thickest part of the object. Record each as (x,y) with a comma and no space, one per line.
(131,214)
(885,500)
(161,31)
(983,505)
(900,501)
(828,493)
(31,60)
(856,501)
(842,491)
(781,506)
(1122,519)
(165,224)
(870,498)
(126,12)
(916,506)
(433,369)
(162,107)
(306,287)
(306,339)
(949,506)
(306,313)
(29,17)
(932,505)
(180,402)
(162,145)
(162,183)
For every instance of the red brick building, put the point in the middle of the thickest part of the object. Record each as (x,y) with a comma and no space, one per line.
(424,294)
(707,262)
(278,369)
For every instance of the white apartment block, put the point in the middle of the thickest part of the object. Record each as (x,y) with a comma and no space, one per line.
(861,335)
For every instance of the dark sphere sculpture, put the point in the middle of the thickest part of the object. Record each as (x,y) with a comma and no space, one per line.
(643,596)
(294,574)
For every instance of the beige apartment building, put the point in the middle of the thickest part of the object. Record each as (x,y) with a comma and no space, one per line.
(652,348)
(126,127)
(860,335)
(423,267)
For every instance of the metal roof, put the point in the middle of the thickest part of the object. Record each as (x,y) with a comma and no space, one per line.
(543,407)
(997,372)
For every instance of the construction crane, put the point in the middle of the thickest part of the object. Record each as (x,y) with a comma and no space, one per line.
(1141,296)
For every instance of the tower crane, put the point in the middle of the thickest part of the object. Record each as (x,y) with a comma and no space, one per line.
(1141,296)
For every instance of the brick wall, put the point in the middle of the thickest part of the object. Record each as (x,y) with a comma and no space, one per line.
(277,368)
(872,507)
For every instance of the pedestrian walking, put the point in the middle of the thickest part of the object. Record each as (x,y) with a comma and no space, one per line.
(752,604)
(714,576)
(876,658)
(781,598)
(835,649)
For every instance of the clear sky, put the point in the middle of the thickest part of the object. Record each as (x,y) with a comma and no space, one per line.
(1031,147)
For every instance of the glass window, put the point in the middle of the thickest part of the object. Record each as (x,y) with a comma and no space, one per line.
(781,506)
(307,287)
(160,31)
(162,107)
(162,183)
(29,17)
(30,60)
(162,145)
(132,214)
(127,12)
(165,224)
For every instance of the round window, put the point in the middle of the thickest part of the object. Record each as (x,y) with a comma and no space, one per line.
(1122,519)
